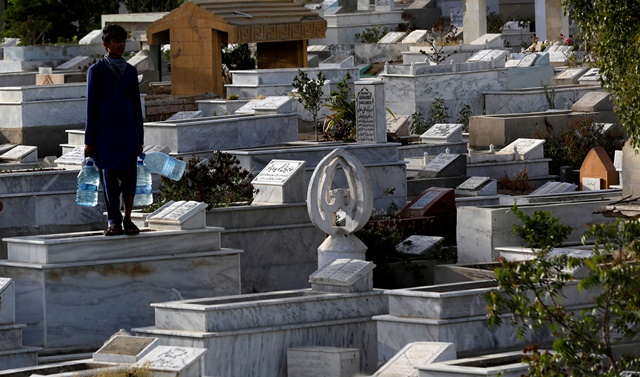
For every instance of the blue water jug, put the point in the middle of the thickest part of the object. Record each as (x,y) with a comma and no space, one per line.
(88,182)
(144,195)
(165,165)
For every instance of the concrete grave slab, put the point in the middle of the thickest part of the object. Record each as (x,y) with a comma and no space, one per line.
(591,77)
(338,62)
(528,60)
(278,104)
(6,148)
(477,186)
(416,36)
(420,246)
(551,188)
(93,38)
(569,76)
(323,361)
(398,126)
(433,201)
(594,102)
(125,349)
(445,165)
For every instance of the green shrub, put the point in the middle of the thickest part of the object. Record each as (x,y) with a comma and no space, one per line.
(372,34)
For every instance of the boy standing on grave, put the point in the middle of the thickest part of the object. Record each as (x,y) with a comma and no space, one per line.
(114,131)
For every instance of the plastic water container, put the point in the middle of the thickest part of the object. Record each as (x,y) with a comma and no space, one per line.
(143,195)
(165,165)
(88,182)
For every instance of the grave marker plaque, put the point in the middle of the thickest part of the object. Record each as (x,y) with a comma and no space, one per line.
(184,115)
(281,181)
(591,184)
(125,349)
(343,275)
(597,164)
(420,246)
(393,37)
(21,153)
(477,186)
(456,16)
(528,60)
(434,201)
(528,149)
(72,159)
(443,133)
(179,215)
(181,360)
(445,165)
(371,120)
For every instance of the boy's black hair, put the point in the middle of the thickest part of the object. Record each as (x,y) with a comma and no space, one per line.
(113,31)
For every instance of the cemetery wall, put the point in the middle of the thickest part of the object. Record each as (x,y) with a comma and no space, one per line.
(534,99)
(366,53)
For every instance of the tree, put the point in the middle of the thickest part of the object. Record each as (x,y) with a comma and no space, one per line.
(534,291)
(141,6)
(310,94)
(342,119)
(611,30)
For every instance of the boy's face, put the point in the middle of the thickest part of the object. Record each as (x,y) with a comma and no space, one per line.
(115,47)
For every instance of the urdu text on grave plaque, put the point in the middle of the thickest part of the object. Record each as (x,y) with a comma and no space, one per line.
(277,172)
(365,116)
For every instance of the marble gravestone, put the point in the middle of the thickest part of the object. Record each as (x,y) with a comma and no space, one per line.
(418,246)
(371,120)
(125,349)
(416,36)
(7,301)
(180,215)
(591,77)
(313,361)
(6,147)
(551,188)
(415,354)
(398,125)
(20,154)
(598,165)
(72,159)
(338,62)
(528,149)
(477,186)
(174,361)
(384,5)
(434,201)
(279,104)
(443,133)
(343,275)
(445,165)
(456,17)
(569,76)
(281,181)
(393,37)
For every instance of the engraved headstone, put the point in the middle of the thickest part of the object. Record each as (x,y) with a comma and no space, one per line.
(184,115)
(434,201)
(273,103)
(550,188)
(371,120)
(179,215)
(569,76)
(337,61)
(384,5)
(420,246)
(72,159)
(343,275)
(393,37)
(21,153)
(528,149)
(443,133)
(477,186)
(478,56)
(456,16)
(398,125)
(124,349)
(45,70)
(6,147)
(445,165)
(281,181)
(416,36)
(7,301)
(591,77)
(174,361)
(528,60)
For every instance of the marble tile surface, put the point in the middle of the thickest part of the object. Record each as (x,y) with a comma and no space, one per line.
(171,359)
(93,246)
(251,311)
(82,304)
(262,352)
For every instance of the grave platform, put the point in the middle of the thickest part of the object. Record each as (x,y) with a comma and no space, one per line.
(74,290)
(249,335)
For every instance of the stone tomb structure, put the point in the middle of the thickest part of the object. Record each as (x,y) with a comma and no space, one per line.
(12,353)
(597,171)
(114,278)
(198,31)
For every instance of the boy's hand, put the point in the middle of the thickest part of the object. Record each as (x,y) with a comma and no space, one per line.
(88,150)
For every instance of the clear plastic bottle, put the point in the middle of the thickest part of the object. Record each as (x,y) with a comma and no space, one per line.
(143,186)
(163,164)
(88,182)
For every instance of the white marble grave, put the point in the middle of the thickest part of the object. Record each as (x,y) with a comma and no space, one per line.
(182,115)
(527,149)
(393,37)
(279,104)
(125,349)
(443,133)
(337,61)
(591,77)
(371,120)
(569,76)
(416,36)
(398,125)
(551,188)
(76,64)
(281,181)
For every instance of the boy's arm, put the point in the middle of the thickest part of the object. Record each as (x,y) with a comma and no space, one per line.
(90,126)
(137,108)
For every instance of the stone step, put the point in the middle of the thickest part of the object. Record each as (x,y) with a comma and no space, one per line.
(11,336)
(19,358)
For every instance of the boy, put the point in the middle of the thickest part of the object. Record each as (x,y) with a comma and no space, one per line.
(114,131)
